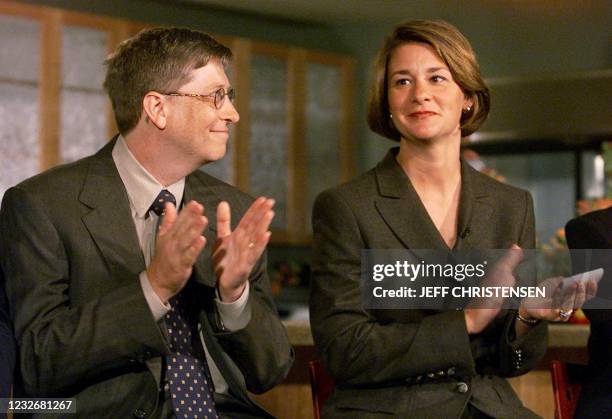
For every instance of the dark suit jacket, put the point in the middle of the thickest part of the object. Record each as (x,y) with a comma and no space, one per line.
(410,363)
(71,257)
(594,231)
(7,345)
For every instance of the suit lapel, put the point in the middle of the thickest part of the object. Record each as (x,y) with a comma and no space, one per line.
(401,208)
(199,187)
(110,221)
(475,208)
(399,200)
(196,188)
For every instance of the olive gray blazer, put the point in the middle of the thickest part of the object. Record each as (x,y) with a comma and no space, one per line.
(71,259)
(414,363)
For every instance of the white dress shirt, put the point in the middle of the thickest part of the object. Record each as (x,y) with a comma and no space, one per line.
(142,189)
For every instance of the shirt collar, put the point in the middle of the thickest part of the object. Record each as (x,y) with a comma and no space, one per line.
(142,188)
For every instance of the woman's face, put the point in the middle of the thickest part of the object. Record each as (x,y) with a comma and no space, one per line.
(424,100)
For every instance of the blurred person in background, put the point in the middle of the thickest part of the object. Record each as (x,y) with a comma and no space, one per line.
(593,232)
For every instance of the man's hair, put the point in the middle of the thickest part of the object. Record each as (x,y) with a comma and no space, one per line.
(159,59)
(456,52)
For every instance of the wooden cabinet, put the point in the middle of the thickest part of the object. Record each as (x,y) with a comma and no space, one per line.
(51,86)
(294,136)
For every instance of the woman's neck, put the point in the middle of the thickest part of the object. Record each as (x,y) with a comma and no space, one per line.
(435,165)
(434,170)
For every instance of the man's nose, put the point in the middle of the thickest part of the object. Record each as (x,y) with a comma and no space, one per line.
(229,112)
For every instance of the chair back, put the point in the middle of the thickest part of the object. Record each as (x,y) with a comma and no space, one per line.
(321,383)
(565,390)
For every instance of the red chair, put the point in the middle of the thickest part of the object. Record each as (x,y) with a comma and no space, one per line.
(321,383)
(565,389)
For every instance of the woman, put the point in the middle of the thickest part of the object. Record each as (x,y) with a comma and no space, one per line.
(427,93)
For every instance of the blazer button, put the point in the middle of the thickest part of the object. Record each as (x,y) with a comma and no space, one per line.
(140,413)
(462,388)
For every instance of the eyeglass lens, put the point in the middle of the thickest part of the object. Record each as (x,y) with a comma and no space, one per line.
(220,94)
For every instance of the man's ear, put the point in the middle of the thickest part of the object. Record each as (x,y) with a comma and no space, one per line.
(153,107)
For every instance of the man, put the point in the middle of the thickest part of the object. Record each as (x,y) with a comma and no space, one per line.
(593,232)
(130,318)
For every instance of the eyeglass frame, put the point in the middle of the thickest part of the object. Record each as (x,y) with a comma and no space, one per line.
(230,93)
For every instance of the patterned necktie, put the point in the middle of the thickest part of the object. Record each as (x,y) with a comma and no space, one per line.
(189,380)
(159,205)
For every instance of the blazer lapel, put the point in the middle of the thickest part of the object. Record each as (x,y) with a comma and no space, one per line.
(196,188)
(110,221)
(398,196)
(401,208)
(200,187)
(475,208)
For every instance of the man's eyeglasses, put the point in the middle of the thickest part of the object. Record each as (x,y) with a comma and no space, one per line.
(217,96)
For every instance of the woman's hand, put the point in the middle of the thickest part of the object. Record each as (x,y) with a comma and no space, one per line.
(559,302)
(481,311)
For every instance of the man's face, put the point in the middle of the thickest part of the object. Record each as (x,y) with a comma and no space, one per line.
(199,131)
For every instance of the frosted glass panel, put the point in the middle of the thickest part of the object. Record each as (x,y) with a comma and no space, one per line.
(269,136)
(84,109)
(19,49)
(19,92)
(19,149)
(323,119)
(83,55)
(84,123)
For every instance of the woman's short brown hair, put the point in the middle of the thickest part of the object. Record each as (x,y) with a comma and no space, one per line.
(456,52)
(159,59)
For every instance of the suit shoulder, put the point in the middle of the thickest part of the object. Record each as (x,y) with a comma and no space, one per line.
(599,218)
(58,179)
(355,189)
(592,223)
(499,189)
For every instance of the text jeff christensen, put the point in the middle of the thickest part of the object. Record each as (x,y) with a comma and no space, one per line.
(459,292)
